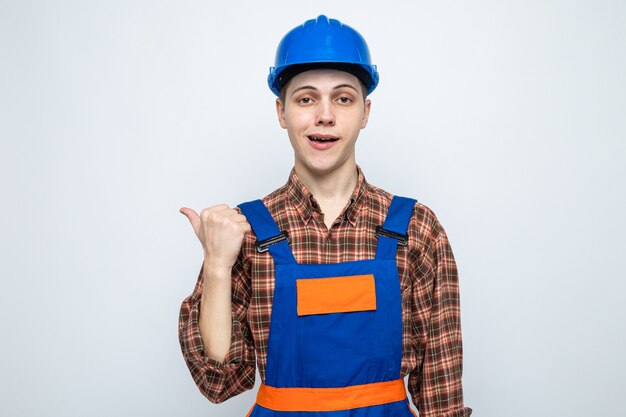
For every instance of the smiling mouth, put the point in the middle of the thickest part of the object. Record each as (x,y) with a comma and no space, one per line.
(322,139)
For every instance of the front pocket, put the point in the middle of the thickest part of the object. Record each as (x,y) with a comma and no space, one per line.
(336,294)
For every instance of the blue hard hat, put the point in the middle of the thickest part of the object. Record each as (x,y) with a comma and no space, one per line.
(322,43)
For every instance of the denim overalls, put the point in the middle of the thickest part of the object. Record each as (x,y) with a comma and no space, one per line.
(335,340)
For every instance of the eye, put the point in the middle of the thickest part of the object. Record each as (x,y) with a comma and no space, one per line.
(345,100)
(304,100)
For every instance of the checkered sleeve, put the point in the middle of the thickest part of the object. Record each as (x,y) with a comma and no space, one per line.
(435,384)
(219,381)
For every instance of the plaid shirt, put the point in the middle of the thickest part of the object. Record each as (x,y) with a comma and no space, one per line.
(431,336)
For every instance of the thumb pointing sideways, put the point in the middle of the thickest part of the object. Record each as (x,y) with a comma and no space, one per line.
(193,218)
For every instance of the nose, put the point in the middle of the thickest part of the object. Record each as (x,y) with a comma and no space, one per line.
(325,114)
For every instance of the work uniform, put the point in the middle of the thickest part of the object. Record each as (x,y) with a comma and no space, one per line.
(425,342)
(335,339)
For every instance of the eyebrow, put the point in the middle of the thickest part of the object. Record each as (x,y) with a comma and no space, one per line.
(310,87)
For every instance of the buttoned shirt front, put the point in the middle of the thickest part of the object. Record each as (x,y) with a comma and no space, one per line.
(431,336)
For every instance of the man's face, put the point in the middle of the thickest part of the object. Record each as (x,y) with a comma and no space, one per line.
(323,112)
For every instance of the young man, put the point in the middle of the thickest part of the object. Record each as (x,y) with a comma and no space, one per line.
(334,287)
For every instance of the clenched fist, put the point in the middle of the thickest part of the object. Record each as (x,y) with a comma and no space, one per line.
(220,230)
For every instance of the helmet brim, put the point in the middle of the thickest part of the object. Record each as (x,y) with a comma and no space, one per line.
(355,69)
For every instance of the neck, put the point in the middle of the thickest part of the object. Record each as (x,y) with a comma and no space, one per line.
(329,185)
(330,188)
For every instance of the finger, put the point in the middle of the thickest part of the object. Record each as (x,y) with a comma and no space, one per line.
(219,211)
(236,217)
(219,207)
(192,216)
(188,212)
(213,209)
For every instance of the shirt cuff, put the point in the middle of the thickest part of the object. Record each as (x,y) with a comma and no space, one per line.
(194,348)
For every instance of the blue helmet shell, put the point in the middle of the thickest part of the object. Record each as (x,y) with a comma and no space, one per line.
(322,43)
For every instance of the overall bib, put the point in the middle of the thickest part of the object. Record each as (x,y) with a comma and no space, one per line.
(335,340)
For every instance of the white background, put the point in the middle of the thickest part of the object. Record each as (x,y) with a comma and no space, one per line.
(507,118)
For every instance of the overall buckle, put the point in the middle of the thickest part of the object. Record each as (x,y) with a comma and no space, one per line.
(403,240)
(263,246)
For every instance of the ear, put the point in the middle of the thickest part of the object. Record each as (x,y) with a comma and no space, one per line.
(280,112)
(366,113)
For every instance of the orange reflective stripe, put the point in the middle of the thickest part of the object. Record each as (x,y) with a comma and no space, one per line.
(336,294)
(330,399)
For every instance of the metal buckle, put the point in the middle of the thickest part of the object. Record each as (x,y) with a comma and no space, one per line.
(403,240)
(263,246)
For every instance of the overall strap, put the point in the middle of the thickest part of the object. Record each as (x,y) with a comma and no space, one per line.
(269,237)
(394,231)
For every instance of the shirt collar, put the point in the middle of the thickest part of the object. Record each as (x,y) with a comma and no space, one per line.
(307,206)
